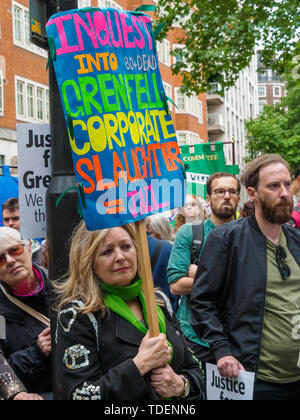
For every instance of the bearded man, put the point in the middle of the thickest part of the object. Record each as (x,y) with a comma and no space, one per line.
(245,300)
(223,195)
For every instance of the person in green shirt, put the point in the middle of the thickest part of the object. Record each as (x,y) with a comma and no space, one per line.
(223,191)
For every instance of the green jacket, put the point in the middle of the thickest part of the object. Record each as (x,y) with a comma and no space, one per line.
(178,266)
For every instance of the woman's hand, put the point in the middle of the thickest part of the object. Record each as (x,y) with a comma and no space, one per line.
(25,396)
(153,353)
(44,341)
(166,382)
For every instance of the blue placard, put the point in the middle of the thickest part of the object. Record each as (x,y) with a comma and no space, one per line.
(124,146)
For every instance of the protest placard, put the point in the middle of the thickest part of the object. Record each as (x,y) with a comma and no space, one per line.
(124,147)
(202,163)
(123,141)
(34,154)
(221,389)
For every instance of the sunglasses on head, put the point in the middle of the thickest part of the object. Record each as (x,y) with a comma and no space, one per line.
(13,252)
(283,268)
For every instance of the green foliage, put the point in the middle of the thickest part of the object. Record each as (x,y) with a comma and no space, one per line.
(277,129)
(220,36)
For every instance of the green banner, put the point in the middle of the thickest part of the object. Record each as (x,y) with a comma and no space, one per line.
(207,159)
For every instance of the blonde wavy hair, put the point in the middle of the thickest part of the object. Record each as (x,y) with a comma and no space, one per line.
(81,283)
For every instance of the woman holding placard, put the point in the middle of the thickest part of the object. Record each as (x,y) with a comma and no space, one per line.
(103,348)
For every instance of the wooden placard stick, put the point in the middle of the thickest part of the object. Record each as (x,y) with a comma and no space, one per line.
(146,273)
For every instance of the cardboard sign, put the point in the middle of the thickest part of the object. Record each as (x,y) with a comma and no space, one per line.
(220,388)
(34,151)
(123,141)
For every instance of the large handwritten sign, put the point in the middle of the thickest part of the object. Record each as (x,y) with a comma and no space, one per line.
(123,141)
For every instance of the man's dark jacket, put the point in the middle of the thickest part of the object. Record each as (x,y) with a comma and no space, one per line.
(20,347)
(229,292)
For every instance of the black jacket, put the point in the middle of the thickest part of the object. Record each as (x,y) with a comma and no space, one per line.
(229,292)
(93,358)
(20,347)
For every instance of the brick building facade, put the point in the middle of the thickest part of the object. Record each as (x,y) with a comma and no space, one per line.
(24,94)
(23,78)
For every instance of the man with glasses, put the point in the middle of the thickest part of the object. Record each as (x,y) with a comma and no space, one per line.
(24,305)
(246,296)
(223,191)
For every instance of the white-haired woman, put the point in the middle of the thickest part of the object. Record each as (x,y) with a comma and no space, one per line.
(27,345)
(103,348)
(160,228)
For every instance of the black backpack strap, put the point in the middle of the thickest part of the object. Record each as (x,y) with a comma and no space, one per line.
(198,238)
(156,254)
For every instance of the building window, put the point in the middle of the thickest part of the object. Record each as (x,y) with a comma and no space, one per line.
(163,52)
(84,3)
(20,99)
(261,106)
(21,29)
(109,4)
(277,91)
(262,91)
(32,101)
(276,102)
(18,24)
(169,93)
(189,105)
(180,100)
(1,95)
(188,138)
(181,138)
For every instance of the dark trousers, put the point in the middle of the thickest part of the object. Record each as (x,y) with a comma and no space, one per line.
(266,391)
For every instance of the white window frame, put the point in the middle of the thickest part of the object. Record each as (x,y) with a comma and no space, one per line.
(276,102)
(191,138)
(37,87)
(192,105)
(169,92)
(274,91)
(109,4)
(1,95)
(264,95)
(178,47)
(179,138)
(84,3)
(24,41)
(179,96)
(163,52)
(259,105)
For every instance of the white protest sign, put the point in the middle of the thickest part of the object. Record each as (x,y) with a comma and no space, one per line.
(220,388)
(34,154)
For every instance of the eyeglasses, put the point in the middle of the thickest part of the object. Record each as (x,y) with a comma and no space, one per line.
(220,193)
(283,268)
(14,252)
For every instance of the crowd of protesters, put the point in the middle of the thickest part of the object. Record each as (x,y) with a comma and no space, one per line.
(227,293)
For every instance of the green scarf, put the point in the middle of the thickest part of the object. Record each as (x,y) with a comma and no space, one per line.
(115,299)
